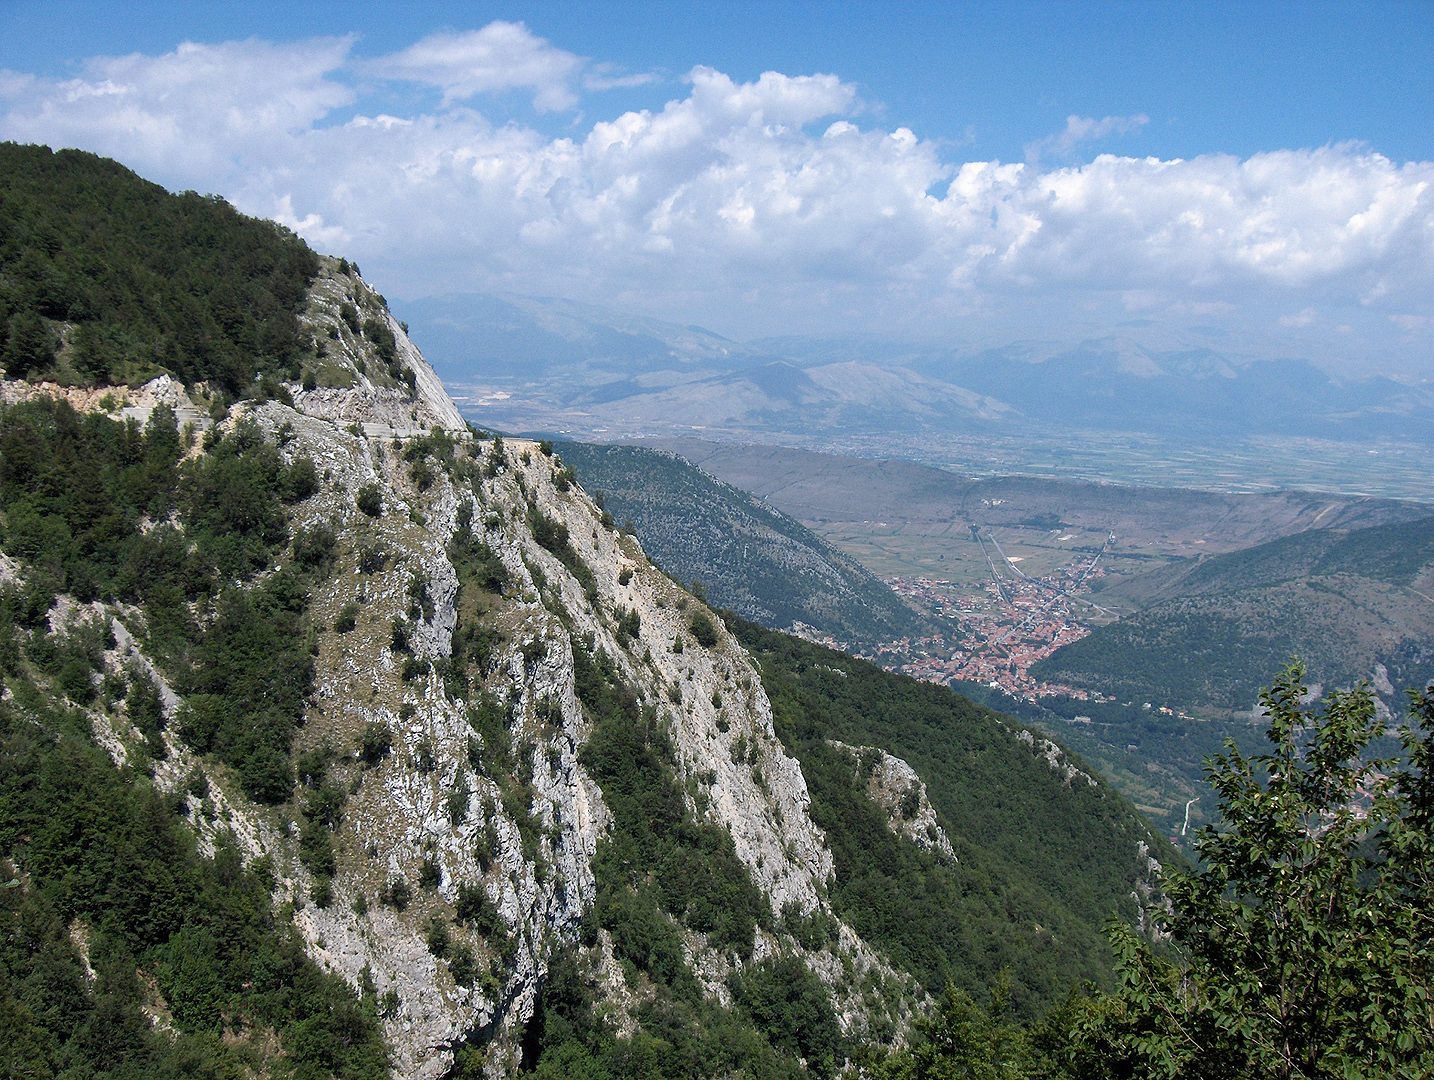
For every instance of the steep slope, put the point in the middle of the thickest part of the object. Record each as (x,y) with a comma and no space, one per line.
(335,735)
(1002,901)
(750,559)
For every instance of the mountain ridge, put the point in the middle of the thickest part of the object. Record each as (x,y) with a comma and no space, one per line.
(460,754)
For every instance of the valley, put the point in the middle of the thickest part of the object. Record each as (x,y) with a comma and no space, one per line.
(1135,624)
(825,542)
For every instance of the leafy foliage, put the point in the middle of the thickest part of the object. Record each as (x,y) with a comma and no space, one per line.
(100,849)
(1304,938)
(480,573)
(675,1039)
(75,490)
(792,1008)
(150,281)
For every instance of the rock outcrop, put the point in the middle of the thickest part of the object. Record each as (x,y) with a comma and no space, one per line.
(425,825)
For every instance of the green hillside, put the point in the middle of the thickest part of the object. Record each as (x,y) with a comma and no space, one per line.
(106,278)
(1042,861)
(1342,601)
(1395,554)
(750,558)
(103,870)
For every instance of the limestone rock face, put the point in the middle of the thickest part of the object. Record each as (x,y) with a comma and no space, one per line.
(1055,757)
(427,822)
(895,786)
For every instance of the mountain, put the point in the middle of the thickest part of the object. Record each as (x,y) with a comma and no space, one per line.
(541,363)
(338,739)
(1354,605)
(476,337)
(750,558)
(1114,384)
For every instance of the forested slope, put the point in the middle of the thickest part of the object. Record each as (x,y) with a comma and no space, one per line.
(105,873)
(1044,853)
(107,278)
(1343,602)
(749,557)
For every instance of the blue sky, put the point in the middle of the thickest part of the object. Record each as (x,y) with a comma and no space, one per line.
(1251,177)
(1235,77)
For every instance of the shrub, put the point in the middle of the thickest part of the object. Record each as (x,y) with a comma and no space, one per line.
(397,894)
(703,632)
(299,480)
(474,908)
(370,500)
(430,875)
(437,937)
(461,966)
(375,742)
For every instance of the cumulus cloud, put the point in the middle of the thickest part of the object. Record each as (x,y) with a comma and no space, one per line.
(759,206)
(187,116)
(500,56)
(1079,131)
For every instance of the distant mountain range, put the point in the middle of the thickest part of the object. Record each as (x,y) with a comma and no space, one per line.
(531,363)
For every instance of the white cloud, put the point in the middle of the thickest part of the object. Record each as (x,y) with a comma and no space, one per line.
(758,207)
(500,56)
(190,117)
(1080,130)
(607,77)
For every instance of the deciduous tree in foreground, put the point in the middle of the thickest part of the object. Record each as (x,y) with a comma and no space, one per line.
(1301,946)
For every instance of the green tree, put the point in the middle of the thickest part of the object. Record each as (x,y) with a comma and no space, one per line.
(1302,942)
(962,1041)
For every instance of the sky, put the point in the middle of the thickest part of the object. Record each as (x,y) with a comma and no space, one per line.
(1257,179)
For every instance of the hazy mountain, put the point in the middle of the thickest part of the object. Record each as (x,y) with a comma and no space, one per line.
(584,369)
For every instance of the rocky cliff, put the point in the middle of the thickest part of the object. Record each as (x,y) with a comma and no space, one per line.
(337,737)
(429,817)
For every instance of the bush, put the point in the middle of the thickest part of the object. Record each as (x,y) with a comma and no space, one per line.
(430,875)
(703,632)
(300,480)
(474,908)
(375,742)
(629,627)
(314,548)
(370,500)
(437,937)
(396,895)
(461,966)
